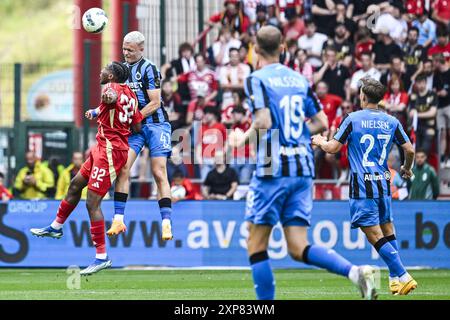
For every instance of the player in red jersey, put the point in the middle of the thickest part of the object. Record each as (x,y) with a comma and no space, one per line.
(117,113)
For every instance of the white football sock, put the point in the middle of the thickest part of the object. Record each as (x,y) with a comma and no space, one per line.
(405,277)
(101,256)
(57,226)
(353,275)
(118,217)
(392,278)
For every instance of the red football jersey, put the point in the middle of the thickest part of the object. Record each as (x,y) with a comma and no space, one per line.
(115,120)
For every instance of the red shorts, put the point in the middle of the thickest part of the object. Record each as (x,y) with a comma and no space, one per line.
(102,167)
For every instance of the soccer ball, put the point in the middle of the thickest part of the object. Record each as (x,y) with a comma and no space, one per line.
(94,20)
(178,192)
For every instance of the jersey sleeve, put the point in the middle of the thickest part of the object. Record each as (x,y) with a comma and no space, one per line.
(312,104)
(344,130)
(400,136)
(256,94)
(153,77)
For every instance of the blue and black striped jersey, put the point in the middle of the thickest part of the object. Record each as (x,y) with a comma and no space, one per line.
(370,135)
(285,150)
(144,75)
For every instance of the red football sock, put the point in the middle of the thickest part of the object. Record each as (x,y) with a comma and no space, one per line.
(98,236)
(64,211)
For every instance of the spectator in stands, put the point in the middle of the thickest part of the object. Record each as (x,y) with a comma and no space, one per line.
(295,26)
(302,66)
(221,48)
(67,175)
(242,161)
(54,165)
(261,18)
(443,45)
(342,44)
(424,183)
(34,180)
(227,117)
(232,77)
(428,71)
(330,102)
(244,55)
(221,182)
(441,12)
(174,105)
(423,105)
(211,140)
(179,181)
(396,99)
(231,17)
(441,85)
(286,8)
(396,68)
(5,195)
(324,12)
(427,29)
(414,53)
(334,74)
(312,42)
(391,19)
(341,19)
(385,49)
(367,70)
(183,65)
(250,8)
(363,44)
(202,83)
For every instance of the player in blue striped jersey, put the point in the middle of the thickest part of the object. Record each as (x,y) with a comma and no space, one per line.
(370,134)
(281,188)
(145,81)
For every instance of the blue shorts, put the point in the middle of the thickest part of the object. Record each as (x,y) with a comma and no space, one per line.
(284,199)
(156,136)
(370,212)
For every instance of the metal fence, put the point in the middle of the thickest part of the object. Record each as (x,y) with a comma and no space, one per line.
(180,22)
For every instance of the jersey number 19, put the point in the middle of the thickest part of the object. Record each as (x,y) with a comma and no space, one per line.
(293,116)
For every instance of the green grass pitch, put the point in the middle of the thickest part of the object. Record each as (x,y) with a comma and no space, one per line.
(198,285)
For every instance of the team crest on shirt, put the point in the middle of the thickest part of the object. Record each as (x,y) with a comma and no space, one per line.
(387,175)
(138,76)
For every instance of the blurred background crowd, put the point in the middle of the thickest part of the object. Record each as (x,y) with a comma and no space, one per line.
(333,43)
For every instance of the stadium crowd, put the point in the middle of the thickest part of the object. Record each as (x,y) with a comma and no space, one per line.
(334,44)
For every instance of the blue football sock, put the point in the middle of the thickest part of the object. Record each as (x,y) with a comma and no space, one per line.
(391,257)
(393,241)
(165,208)
(327,259)
(262,276)
(120,201)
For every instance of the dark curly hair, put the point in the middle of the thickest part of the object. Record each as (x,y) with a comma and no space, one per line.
(119,70)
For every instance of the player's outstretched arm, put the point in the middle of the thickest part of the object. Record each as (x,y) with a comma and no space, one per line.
(92,114)
(406,168)
(332,146)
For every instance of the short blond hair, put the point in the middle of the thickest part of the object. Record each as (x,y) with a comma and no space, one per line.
(135,37)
